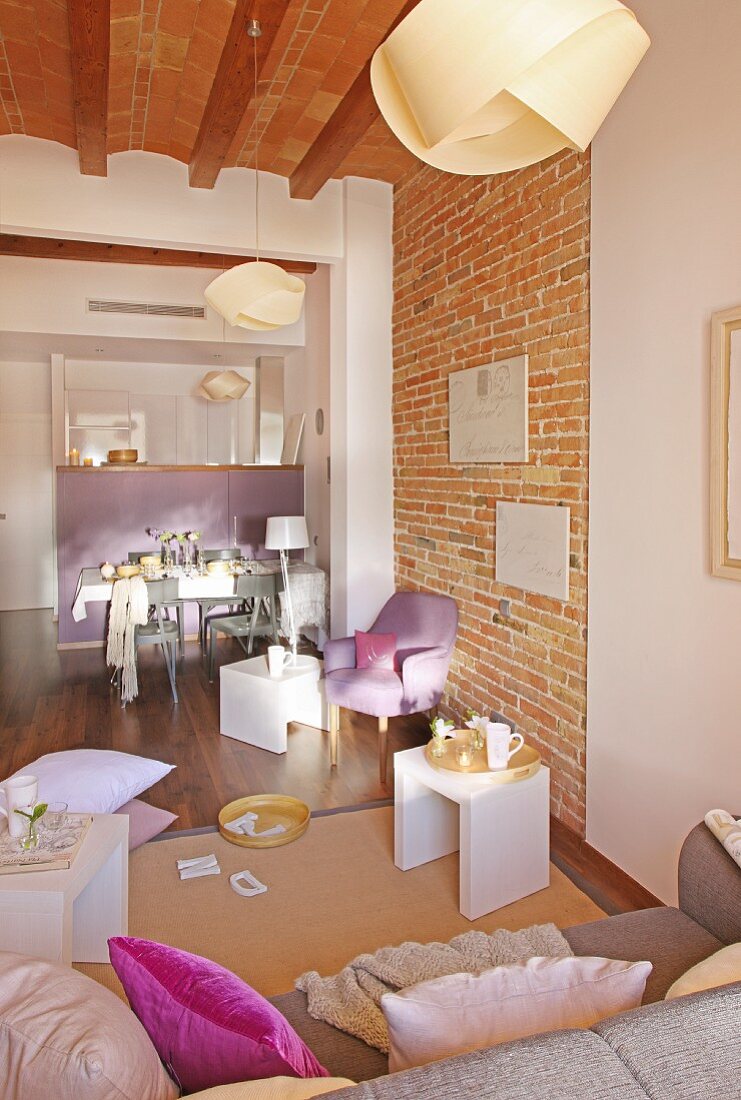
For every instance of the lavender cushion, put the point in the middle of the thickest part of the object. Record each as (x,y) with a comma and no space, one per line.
(208,1026)
(375,650)
(145,821)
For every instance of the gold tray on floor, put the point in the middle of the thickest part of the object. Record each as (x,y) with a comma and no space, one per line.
(271,809)
(523,764)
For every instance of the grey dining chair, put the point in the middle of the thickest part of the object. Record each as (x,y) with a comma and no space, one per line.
(262,591)
(177,604)
(160,630)
(207,603)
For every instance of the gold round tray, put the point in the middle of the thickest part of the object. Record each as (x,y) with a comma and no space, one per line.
(271,809)
(523,764)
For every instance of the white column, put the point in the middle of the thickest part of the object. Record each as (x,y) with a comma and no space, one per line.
(58,454)
(361,370)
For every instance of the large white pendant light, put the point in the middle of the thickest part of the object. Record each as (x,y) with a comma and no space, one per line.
(257,295)
(488,86)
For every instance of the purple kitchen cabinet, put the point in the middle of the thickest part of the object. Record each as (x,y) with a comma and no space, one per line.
(254,496)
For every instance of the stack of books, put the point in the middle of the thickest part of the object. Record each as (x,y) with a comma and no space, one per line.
(56,850)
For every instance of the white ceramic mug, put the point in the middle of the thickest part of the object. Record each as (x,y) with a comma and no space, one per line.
(21,793)
(499,736)
(278,658)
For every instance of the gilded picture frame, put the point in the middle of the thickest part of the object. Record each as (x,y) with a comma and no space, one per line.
(725,444)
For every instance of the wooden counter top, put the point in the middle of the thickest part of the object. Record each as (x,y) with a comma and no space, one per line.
(141,467)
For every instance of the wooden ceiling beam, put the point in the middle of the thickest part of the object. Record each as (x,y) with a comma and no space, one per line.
(345,128)
(90,49)
(53,248)
(233,88)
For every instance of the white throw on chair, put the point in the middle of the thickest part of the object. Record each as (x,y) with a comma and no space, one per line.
(130,626)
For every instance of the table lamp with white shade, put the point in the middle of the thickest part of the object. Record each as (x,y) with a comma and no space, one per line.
(286,533)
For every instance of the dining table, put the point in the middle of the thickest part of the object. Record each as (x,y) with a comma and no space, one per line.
(309,592)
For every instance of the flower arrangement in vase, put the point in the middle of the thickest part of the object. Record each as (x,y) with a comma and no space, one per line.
(441,729)
(194,538)
(164,538)
(30,840)
(478,725)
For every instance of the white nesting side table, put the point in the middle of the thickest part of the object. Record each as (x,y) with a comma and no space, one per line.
(500,829)
(67,916)
(256,709)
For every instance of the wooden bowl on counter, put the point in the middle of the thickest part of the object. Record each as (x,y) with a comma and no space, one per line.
(124,456)
(126,571)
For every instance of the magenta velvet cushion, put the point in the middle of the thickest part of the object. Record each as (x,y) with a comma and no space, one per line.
(207,1025)
(375,651)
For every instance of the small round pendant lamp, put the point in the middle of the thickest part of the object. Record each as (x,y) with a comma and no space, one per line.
(256,295)
(224,385)
(493,85)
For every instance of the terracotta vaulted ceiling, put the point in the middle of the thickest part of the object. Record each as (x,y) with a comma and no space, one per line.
(176,77)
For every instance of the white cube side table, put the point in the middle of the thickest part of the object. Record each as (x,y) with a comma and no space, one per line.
(501,830)
(256,709)
(67,916)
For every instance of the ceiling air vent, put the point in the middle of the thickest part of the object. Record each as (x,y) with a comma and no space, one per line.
(147,309)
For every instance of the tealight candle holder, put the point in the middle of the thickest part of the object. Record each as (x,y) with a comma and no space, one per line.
(87,462)
(464,755)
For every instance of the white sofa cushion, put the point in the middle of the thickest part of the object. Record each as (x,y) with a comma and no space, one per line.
(463,1012)
(64,1036)
(275,1088)
(722,968)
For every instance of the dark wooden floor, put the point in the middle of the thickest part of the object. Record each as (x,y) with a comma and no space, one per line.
(52,700)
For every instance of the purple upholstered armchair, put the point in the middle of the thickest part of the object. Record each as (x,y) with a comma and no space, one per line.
(425,627)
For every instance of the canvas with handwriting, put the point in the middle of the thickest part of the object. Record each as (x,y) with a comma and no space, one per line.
(489,412)
(532,548)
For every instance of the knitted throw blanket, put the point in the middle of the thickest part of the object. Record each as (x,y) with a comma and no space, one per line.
(129,609)
(351,999)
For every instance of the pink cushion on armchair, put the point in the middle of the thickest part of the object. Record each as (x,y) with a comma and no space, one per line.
(375,651)
(208,1026)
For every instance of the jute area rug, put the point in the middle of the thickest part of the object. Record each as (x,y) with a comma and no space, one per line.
(331,895)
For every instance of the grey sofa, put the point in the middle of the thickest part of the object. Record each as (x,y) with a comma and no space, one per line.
(684,1049)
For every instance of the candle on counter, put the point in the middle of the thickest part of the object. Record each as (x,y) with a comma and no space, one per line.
(87,462)
(74,457)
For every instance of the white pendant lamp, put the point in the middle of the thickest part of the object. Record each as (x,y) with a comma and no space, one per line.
(224,385)
(488,86)
(257,295)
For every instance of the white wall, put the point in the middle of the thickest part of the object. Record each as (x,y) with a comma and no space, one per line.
(48,296)
(145,199)
(306,389)
(362,483)
(664,691)
(26,575)
(176,381)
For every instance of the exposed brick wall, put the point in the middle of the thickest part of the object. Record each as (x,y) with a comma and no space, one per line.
(486,268)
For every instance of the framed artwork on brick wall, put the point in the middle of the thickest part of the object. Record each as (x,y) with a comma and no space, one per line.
(532,548)
(488,409)
(725,444)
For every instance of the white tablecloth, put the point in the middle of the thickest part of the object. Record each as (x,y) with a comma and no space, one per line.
(309,592)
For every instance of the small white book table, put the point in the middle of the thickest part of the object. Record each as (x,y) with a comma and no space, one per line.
(67,916)
(257,709)
(500,829)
